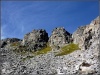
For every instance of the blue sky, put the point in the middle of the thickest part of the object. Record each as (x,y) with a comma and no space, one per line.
(21,17)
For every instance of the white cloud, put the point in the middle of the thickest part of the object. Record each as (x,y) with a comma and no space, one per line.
(3,34)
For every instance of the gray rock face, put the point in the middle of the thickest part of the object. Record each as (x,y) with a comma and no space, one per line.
(86,35)
(59,37)
(35,39)
(80,62)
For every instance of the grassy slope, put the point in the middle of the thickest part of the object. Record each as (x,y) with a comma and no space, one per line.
(68,49)
(64,50)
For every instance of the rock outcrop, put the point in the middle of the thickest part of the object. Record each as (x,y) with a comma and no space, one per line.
(36,39)
(86,35)
(59,37)
(6,41)
(80,62)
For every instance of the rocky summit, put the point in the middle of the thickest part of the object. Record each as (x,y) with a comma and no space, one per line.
(62,53)
(35,39)
(59,37)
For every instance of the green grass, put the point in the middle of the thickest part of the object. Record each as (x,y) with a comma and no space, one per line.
(68,49)
(18,48)
(23,49)
(43,50)
(14,44)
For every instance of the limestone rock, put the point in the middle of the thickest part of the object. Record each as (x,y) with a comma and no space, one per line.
(35,39)
(59,37)
(85,35)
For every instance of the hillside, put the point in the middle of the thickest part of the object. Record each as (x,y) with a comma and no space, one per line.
(60,54)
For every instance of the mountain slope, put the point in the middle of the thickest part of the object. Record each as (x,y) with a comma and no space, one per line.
(17,58)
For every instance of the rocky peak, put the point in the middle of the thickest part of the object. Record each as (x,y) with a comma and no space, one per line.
(85,35)
(36,39)
(59,37)
(95,21)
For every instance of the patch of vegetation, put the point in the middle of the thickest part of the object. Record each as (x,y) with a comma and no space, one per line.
(68,49)
(40,51)
(43,50)
(18,48)
(14,44)
(24,50)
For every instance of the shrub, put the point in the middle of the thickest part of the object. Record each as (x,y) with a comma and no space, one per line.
(68,49)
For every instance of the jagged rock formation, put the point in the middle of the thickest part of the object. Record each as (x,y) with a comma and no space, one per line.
(59,37)
(79,62)
(36,39)
(86,35)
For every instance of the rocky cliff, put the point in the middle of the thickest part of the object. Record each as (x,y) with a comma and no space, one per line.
(86,35)
(76,54)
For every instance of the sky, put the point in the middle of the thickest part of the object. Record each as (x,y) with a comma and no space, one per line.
(21,17)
